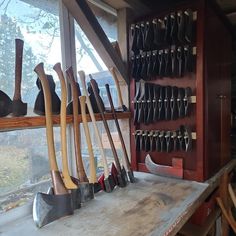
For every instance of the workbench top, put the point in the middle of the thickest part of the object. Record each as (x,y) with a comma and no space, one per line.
(153,205)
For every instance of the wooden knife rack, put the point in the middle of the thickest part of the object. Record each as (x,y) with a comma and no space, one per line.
(209,117)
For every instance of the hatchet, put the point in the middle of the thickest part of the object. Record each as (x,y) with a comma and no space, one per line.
(92,177)
(125,154)
(18,107)
(87,192)
(106,179)
(70,185)
(121,176)
(50,207)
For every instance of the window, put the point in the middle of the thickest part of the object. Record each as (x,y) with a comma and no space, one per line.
(24,168)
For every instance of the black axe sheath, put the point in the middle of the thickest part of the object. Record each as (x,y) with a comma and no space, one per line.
(50,207)
(18,107)
(125,154)
(39,107)
(121,176)
(5,104)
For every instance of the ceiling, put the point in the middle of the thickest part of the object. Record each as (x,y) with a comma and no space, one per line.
(145,6)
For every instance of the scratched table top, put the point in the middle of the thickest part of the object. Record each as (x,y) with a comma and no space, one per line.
(153,205)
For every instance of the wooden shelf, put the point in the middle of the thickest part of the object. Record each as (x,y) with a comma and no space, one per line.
(28,122)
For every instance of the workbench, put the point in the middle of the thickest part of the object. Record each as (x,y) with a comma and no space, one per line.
(153,205)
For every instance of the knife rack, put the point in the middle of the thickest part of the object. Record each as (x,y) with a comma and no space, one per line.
(209,117)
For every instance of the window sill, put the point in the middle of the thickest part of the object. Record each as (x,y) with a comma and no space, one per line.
(13,123)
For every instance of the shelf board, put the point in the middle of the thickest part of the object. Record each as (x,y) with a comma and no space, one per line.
(28,122)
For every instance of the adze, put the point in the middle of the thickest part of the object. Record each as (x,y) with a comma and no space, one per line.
(70,185)
(121,176)
(125,154)
(87,192)
(108,180)
(50,207)
(18,107)
(92,167)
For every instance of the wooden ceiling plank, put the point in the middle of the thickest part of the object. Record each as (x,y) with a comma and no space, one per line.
(94,32)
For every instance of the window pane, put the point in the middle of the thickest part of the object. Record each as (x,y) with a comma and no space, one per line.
(24,167)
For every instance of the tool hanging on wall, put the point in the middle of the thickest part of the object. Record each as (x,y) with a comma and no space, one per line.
(92,165)
(69,184)
(121,177)
(50,207)
(106,180)
(87,192)
(125,154)
(18,107)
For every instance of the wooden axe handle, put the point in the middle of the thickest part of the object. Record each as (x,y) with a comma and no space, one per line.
(58,185)
(65,169)
(126,159)
(92,81)
(80,167)
(19,44)
(114,75)
(91,113)
(93,177)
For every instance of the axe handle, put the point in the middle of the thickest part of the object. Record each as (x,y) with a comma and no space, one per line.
(93,177)
(80,167)
(114,75)
(92,81)
(126,159)
(65,169)
(91,113)
(19,44)
(58,185)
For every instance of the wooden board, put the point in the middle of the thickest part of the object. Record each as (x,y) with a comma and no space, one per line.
(152,206)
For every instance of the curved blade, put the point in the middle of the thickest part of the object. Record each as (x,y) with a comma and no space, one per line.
(176,170)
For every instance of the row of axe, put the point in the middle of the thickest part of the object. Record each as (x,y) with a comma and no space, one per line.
(176,27)
(67,192)
(172,62)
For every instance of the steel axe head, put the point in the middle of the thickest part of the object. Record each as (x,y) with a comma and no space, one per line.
(19,108)
(49,207)
(119,178)
(107,184)
(131,176)
(86,191)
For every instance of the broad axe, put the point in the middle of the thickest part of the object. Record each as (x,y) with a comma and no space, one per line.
(50,207)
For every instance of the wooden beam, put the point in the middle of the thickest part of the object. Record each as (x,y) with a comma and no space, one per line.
(29,122)
(89,24)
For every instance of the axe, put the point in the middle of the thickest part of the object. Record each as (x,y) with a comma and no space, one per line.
(121,176)
(93,177)
(114,75)
(106,180)
(50,207)
(18,107)
(125,154)
(65,169)
(87,192)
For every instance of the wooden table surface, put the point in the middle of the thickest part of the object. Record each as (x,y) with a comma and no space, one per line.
(154,205)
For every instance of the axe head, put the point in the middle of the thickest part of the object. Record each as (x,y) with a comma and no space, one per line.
(122,178)
(97,187)
(86,191)
(107,184)
(49,207)
(19,108)
(5,104)
(131,176)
